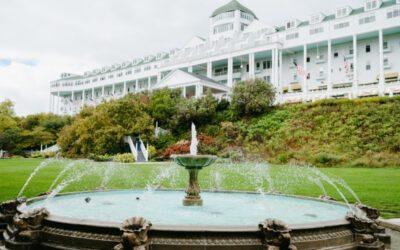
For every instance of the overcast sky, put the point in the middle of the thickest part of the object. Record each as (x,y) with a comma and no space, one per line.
(39,39)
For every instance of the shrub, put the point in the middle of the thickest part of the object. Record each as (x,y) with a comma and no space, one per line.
(43,155)
(181,147)
(124,158)
(17,157)
(101,158)
(152,151)
(252,97)
(327,159)
(283,158)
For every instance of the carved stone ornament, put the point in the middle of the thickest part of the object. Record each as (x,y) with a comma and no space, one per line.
(276,235)
(372,213)
(27,226)
(9,208)
(327,198)
(134,235)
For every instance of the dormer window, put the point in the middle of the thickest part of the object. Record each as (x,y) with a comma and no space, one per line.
(372,4)
(292,24)
(343,12)
(317,18)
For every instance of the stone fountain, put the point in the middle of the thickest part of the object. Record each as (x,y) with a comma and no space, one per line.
(193,163)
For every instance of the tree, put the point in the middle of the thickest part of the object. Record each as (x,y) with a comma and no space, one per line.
(102,130)
(7,108)
(164,104)
(252,97)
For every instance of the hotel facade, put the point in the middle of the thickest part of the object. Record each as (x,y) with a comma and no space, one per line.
(349,53)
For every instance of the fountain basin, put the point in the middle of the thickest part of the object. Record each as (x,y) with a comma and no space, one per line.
(194,161)
(230,224)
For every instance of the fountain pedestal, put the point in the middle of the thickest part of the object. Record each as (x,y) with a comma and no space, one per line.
(193,164)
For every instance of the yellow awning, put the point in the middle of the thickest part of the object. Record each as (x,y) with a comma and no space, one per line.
(296,87)
(389,75)
(285,88)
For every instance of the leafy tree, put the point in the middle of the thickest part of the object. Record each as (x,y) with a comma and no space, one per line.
(7,122)
(10,139)
(164,104)
(7,108)
(102,130)
(252,97)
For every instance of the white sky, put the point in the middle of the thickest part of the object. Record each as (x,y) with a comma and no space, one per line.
(39,39)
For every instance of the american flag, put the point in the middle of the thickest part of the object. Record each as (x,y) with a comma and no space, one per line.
(346,66)
(300,69)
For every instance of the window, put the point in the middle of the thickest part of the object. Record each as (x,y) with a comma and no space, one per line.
(316,18)
(321,72)
(336,54)
(229,14)
(119,74)
(129,72)
(385,61)
(94,80)
(246,16)
(138,70)
(269,64)
(295,76)
(243,26)
(371,4)
(102,78)
(258,65)
(291,24)
(308,76)
(393,12)
(223,28)
(147,68)
(342,12)
(368,48)
(316,29)
(294,61)
(264,64)
(369,18)
(351,50)
(385,45)
(368,66)
(110,76)
(293,35)
(308,59)
(351,67)
(341,25)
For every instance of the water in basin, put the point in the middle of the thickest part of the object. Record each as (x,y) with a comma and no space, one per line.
(165,208)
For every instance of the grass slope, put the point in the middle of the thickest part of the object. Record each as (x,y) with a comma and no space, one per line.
(375,187)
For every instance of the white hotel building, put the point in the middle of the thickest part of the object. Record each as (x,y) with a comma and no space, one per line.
(241,47)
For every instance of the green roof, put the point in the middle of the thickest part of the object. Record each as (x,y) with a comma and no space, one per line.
(232,6)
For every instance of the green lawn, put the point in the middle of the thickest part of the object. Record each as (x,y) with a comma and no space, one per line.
(375,187)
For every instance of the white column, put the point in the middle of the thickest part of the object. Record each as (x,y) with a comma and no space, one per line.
(305,77)
(230,72)
(124,88)
(273,70)
(329,82)
(280,69)
(355,73)
(93,93)
(381,69)
(209,69)
(49,104)
(113,90)
(58,102)
(83,98)
(149,83)
(190,69)
(184,91)
(158,77)
(137,86)
(251,66)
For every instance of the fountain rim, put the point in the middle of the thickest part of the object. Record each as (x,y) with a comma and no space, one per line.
(190,228)
(195,156)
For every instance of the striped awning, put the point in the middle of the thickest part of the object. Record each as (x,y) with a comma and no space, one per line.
(286,88)
(395,90)
(296,87)
(393,75)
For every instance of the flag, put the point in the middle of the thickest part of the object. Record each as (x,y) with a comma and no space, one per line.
(75,102)
(300,69)
(346,66)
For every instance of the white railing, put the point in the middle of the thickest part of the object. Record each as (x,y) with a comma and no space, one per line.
(53,148)
(128,139)
(144,150)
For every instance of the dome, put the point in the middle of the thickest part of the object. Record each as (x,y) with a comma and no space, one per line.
(232,6)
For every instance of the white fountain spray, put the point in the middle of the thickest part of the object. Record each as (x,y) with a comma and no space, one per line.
(193,145)
(43,164)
